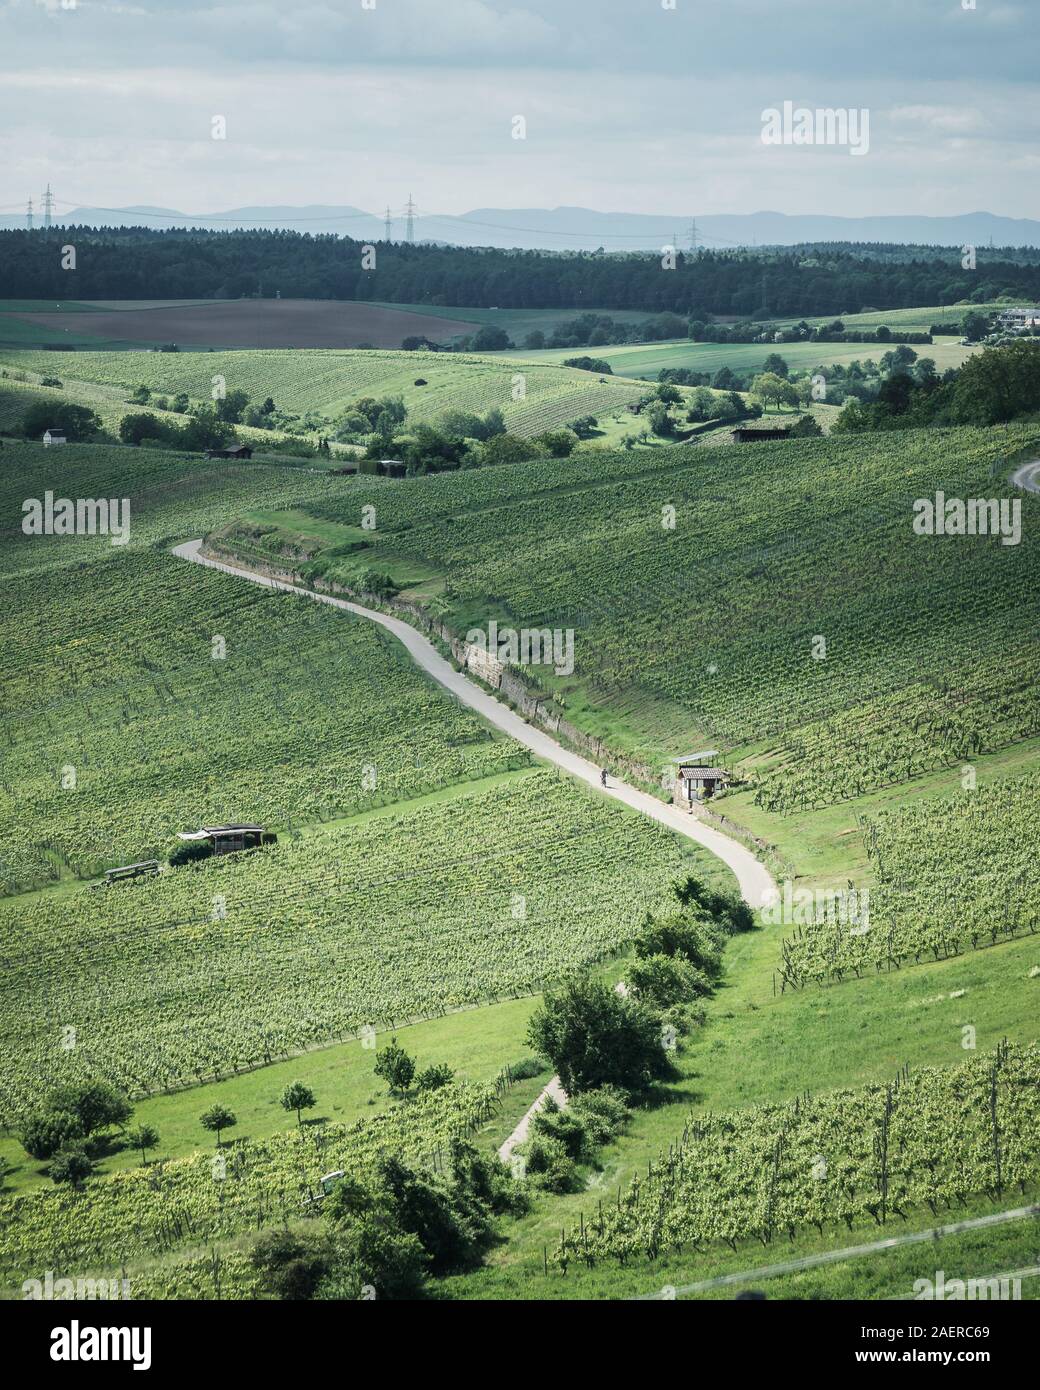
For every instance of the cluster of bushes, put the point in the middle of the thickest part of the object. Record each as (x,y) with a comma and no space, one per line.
(597,330)
(562,1140)
(591,364)
(584,427)
(385,1237)
(371,415)
(204,430)
(73,1123)
(611,1047)
(994,387)
(211,426)
(78,423)
(457,439)
(710,405)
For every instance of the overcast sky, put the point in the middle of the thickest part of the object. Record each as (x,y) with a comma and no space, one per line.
(629,105)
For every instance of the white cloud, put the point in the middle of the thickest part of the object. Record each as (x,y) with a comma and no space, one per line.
(627,105)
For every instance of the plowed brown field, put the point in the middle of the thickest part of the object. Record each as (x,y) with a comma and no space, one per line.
(259,323)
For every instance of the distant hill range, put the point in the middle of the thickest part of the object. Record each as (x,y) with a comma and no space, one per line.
(581,229)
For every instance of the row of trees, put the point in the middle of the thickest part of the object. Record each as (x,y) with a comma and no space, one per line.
(73,1127)
(613,1047)
(143,263)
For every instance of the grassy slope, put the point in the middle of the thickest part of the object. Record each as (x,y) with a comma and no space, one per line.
(760,1047)
(329,382)
(645,360)
(477,1044)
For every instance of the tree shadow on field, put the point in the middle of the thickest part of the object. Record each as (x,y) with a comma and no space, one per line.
(664,1094)
(106,1145)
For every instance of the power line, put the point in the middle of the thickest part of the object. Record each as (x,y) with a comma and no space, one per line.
(646,239)
(29,217)
(409,226)
(48,204)
(388,224)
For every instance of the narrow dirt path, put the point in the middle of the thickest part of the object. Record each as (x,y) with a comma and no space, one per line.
(559,1095)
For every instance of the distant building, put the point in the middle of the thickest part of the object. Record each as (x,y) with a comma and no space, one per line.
(752,436)
(1020,319)
(53,436)
(392,468)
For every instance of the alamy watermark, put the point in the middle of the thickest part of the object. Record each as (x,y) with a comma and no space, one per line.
(82,516)
(972,516)
(801,125)
(80,1343)
(530,646)
(56,1287)
(809,907)
(1000,1288)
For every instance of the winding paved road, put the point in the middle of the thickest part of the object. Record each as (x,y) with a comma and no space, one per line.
(1028,477)
(756,882)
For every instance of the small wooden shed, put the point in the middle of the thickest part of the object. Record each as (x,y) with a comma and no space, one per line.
(698,783)
(227,839)
(233,451)
(752,436)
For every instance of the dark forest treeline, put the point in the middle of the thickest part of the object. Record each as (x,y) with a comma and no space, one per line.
(141,263)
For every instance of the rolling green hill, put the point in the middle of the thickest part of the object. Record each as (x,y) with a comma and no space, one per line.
(645,360)
(532,397)
(777,551)
(771,601)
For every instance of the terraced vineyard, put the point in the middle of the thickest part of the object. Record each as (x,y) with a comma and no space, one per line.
(488,896)
(931,1139)
(181,699)
(953,873)
(532,396)
(971,705)
(807,613)
(171,496)
(196,1201)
